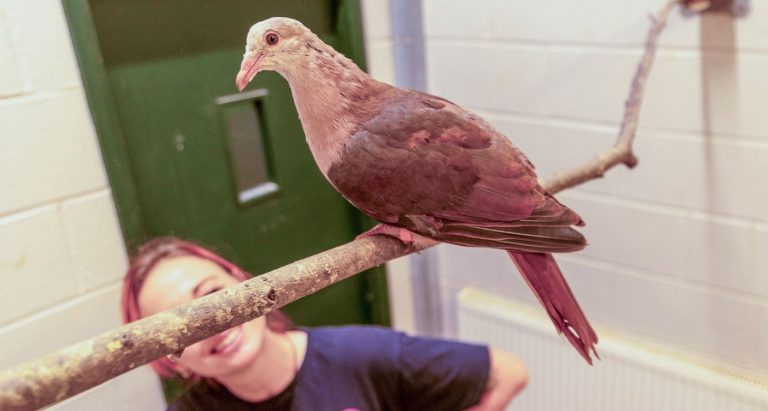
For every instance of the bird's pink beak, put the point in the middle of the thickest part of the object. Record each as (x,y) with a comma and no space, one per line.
(248,69)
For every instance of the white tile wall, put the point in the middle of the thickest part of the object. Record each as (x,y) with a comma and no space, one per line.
(402,305)
(448,18)
(752,32)
(378,40)
(35,268)
(589,84)
(61,252)
(762,260)
(601,21)
(736,90)
(40,38)
(463,267)
(94,239)
(449,288)
(678,246)
(128,392)
(58,321)
(11,80)
(724,253)
(381,63)
(615,23)
(707,321)
(762,353)
(376,20)
(636,235)
(49,149)
(503,78)
(595,279)
(709,174)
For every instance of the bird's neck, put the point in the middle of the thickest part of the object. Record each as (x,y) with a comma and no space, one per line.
(331,94)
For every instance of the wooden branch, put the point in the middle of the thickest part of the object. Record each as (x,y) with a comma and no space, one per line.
(89,363)
(92,362)
(621,152)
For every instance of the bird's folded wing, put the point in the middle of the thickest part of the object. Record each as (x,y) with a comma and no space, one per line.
(445,173)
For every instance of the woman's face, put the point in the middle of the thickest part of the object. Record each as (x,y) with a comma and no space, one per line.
(178,280)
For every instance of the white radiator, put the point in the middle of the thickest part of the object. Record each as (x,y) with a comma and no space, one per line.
(632,376)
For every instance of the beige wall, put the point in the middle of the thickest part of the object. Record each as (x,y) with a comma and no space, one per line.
(61,252)
(679,246)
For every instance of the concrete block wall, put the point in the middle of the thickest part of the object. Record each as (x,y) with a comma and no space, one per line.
(61,252)
(678,248)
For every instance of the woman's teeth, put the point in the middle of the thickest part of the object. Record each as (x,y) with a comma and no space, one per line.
(226,342)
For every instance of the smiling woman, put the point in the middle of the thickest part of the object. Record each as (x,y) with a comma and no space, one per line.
(167,272)
(267,364)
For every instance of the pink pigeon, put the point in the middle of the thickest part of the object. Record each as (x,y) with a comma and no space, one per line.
(427,169)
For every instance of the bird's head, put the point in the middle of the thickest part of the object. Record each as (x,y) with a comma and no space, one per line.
(278,44)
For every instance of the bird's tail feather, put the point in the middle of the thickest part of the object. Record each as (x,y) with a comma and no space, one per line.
(546,281)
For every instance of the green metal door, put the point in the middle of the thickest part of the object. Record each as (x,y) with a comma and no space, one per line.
(189,156)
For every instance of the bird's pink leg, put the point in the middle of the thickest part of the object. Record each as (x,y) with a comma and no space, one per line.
(408,237)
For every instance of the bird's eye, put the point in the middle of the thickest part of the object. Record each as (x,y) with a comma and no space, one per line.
(271,38)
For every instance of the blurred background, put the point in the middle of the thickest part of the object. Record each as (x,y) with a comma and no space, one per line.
(119,121)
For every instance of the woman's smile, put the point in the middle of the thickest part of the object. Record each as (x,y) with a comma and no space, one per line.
(230,343)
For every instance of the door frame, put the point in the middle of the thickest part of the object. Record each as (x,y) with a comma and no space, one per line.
(112,142)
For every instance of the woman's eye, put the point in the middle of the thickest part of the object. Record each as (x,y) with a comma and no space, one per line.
(212,290)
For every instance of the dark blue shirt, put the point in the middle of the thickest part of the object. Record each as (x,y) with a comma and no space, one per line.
(367,369)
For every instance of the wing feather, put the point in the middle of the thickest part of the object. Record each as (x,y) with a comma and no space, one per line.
(444,173)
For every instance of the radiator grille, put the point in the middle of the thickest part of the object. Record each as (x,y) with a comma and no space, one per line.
(632,376)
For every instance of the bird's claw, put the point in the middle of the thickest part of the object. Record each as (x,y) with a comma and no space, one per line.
(413,241)
(384,229)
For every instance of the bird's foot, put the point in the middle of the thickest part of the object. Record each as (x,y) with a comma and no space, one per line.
(409,238)
(400,233)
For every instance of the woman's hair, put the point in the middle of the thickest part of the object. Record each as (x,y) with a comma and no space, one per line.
(154,251)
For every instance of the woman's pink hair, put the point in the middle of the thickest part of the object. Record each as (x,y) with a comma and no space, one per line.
(154,251)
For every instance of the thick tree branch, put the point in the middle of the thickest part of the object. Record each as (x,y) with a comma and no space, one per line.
(89,363)
(92,362)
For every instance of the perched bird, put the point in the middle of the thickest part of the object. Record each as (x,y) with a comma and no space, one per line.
(424,167)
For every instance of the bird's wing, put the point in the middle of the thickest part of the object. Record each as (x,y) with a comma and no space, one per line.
(434,168)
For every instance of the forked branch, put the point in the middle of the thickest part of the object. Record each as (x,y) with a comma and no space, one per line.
(621,152)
